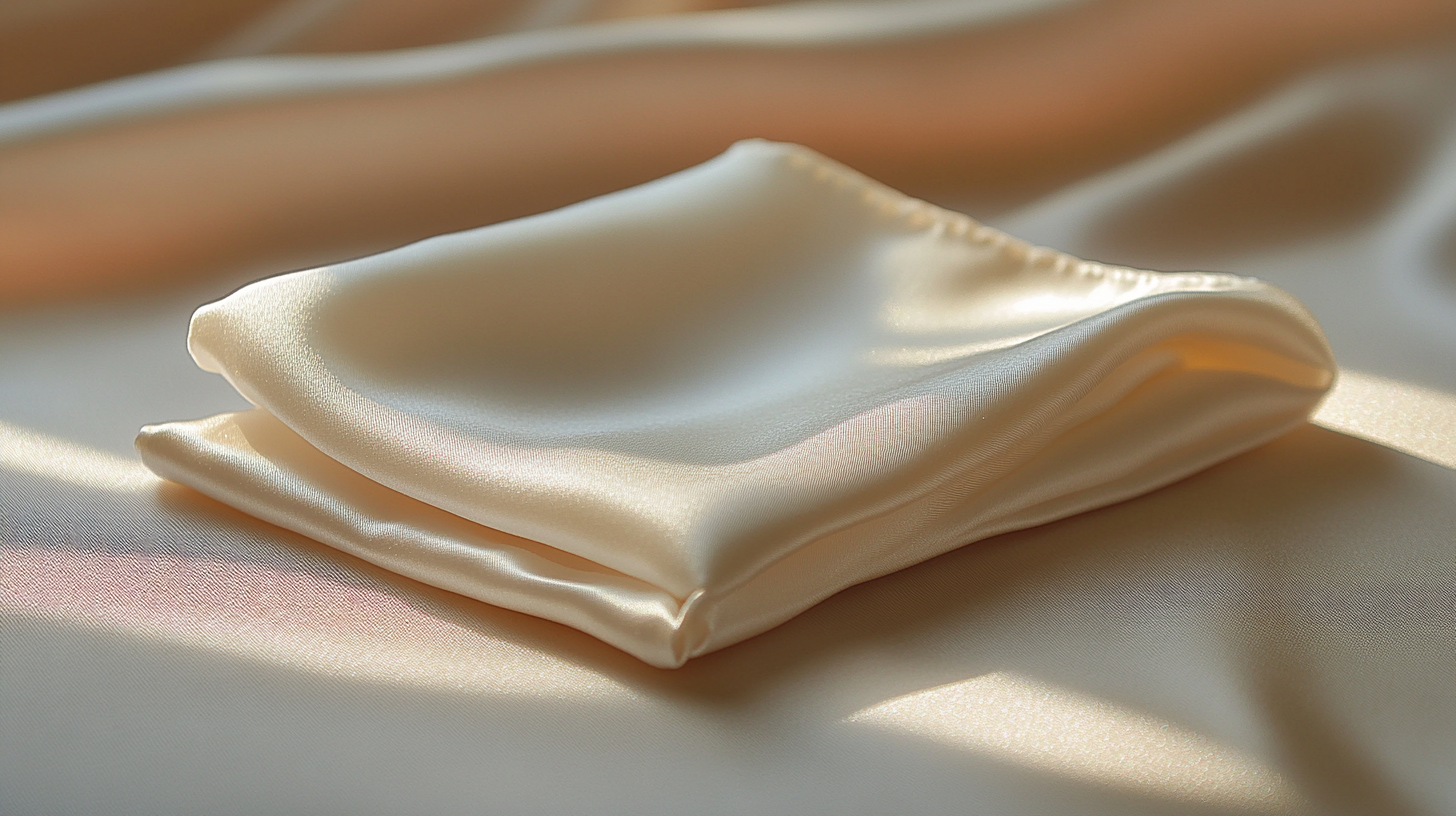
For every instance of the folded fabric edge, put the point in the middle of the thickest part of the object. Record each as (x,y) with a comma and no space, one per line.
(1035,492)
(1157,334)
(255,463)
(251,461)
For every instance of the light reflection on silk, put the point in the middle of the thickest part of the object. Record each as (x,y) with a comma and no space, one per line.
(1419,421)
(279,617)
(716,451)
(46,456)
(1287,613)
(361,626)
(1059,731)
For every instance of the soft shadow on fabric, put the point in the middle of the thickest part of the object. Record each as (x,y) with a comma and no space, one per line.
(1178,545)
(1333,173)
(1244,559)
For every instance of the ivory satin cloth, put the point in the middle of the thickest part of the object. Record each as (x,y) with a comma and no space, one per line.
(1271,635)
(682,413)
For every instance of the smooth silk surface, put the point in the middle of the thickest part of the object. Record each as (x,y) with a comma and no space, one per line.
(678,415)
(1273,635)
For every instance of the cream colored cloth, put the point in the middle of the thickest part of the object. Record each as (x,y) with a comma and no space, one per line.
(678,415)
(1274,635)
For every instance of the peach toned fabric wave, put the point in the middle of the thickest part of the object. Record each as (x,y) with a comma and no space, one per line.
(1272,635)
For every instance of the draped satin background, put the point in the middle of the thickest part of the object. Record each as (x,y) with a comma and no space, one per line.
(1273,635)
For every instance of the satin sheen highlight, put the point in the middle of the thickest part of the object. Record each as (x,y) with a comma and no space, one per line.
(677,416)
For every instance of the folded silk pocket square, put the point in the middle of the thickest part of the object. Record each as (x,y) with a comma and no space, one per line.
(678,415)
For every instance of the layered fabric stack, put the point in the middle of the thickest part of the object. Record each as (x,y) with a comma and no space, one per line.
(678,415)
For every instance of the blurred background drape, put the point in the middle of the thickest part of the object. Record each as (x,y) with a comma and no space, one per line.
(1272,636)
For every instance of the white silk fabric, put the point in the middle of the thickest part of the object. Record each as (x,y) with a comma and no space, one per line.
(678,415)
